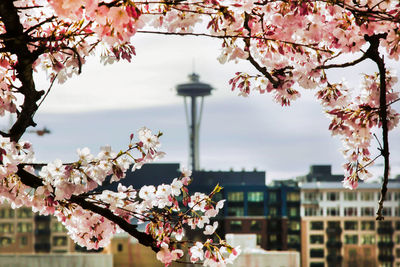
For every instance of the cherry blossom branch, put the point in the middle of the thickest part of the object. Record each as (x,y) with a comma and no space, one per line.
(27,31)
(143,238)
(48,90)
(225,36)
(374,55)
(344,65)
(17,45)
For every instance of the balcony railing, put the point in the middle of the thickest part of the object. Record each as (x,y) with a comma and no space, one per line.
(386,258)
(333,230)
(334,244)
(42,247)
(41,218)
(385,244)
(385,230)
(334,258)
(42,232)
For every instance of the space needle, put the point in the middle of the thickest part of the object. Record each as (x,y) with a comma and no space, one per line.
(195,91)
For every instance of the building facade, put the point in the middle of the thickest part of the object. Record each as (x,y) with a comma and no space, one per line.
(339,226)
(22,231)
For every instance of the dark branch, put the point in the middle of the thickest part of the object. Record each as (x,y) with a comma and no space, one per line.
(143,238)
(374,55)
(15,42)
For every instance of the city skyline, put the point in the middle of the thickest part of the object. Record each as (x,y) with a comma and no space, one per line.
(256,133)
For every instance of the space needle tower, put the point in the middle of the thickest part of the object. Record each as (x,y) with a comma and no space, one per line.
(195,91)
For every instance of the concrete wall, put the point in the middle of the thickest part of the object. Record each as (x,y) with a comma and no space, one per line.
(56,260)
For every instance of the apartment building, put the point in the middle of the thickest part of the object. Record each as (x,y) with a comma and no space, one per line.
(22,231)
(339,227)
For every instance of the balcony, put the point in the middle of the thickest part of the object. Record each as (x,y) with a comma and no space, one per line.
(385,230)
(41,218)
(334,258)
(42,232)
(386,258)
(334,244)
(42,247)
(386,244)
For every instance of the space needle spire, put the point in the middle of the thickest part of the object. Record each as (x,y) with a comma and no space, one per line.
(194,90)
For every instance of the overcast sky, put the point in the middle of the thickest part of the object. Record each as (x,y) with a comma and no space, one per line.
(106,103)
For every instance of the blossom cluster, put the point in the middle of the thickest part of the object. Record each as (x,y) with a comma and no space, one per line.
(354,118)
(157,207)
(165,218)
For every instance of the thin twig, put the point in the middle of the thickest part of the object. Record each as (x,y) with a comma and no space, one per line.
(48,90)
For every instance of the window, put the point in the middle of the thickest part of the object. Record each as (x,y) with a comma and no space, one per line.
(255,203)
(367,211)
(350,196)
(398,253)
(255,196)
(367,225)
(385,224)
(334,224)
(388,196)
(6,228)
(351,239)
(6,213)
(273,238)
(317,264)
(387,211)
(350,225)
(6,241)
(293,196)
(272,197)
(368,239)
(332,196)
(397,211)
(23,241)
(332,211)
(294,226)
(312,211)
(316,253)
(398,225)
(24,227)
(293,212)
(58,227)
(236,226)
(255,208)
(316,225)
(24,213)
(235,196)
(293,239)
(352,254)
(120,247)
(235,211)
(312,196)
(385,238)
(397,239)
(255,225)
(273,211)
(396,196)
(350,211)
(60,241)
(316,239)
(367,196)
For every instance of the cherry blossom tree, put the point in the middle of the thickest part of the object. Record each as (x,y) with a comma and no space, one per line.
(291,44)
